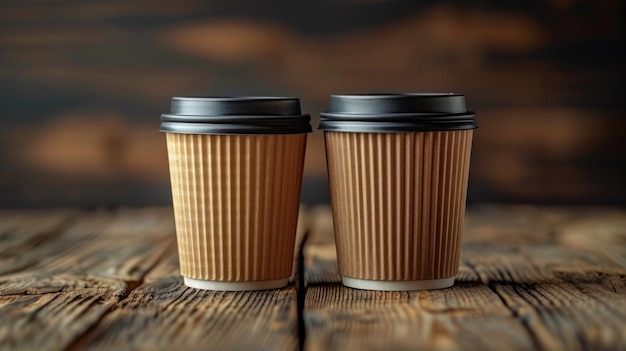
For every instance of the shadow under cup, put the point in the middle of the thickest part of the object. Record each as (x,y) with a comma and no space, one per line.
(236,172)
(398,167)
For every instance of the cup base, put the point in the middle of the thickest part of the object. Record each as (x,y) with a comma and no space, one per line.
(235,286)
(397,285)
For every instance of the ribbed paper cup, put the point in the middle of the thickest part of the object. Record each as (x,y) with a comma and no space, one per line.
(398,196)
(236,198)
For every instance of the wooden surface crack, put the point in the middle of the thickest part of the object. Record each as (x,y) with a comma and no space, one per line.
(521,317)
(301,290)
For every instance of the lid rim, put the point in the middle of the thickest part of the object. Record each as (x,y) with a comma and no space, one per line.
(235,115)
(383,127)
(251,119)
(225,128)
(400,116)
(395,95)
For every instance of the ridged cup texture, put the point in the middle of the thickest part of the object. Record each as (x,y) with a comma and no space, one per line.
(236,200)
(398,202)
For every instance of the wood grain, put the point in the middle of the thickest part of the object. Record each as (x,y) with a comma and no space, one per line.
(530,278)
(50,313)
(22,230)
(55,288)
(121,244)
(163,314)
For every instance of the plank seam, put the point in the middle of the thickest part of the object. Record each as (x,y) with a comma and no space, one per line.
(517,316)
(514,311)
(301,290)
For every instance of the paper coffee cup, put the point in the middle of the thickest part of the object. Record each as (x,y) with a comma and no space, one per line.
(236,171)
(398,168)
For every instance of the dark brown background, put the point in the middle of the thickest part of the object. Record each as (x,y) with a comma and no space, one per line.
(82,85)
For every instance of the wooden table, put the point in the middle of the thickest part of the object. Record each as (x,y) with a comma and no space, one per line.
(531,278)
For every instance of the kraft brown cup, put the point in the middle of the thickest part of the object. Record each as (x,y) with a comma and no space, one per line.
(236,199)
(398,201)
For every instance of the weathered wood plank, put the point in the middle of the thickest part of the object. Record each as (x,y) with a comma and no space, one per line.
(121,244)
(163,314)
(50,313)
(20,231)
(564,297)
(529,279)
(467,316)
(604,235)
(55,289)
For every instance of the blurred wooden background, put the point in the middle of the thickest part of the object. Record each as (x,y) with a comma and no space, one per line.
(82,85)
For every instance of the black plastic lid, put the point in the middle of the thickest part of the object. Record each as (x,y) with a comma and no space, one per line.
(397,113)
(235,115)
